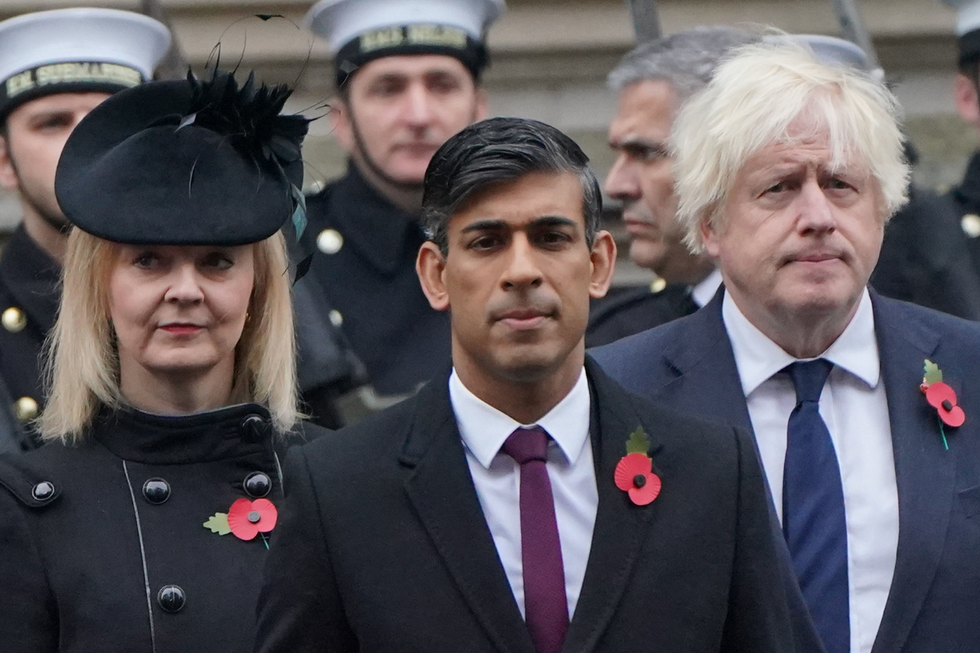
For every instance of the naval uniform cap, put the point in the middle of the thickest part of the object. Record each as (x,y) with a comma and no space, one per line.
(829,50)
(967,28)
(76,50)
(358,31)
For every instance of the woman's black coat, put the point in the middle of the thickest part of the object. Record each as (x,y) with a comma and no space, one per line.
(103,546)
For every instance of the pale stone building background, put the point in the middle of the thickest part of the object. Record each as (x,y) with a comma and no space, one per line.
(550,59)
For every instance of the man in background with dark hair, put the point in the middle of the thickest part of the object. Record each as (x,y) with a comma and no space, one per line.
(653,81)
(408,78)
(522,501)
(55,67)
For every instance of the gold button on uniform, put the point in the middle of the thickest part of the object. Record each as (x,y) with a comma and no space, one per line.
(329,241)
(25,409)
(971,224)
(658,285)
(13,319)
(336,318)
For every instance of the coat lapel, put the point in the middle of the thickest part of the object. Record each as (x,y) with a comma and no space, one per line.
(442,492)
(924,470)
(706,380)
(620,528)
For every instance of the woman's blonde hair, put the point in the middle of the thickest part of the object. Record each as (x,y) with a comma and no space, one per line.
(754,100)
(82,365)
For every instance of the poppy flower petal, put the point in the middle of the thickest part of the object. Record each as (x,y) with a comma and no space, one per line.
(268,514)
(242,528)
(645,495)
(938,393)
(629,467)
(954,417)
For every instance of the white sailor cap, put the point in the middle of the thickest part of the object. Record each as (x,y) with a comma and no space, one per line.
(967,27)
(358,31)
(76,50)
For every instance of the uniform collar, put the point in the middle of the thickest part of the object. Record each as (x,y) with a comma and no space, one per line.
(758,358)
(31,276)
(969,189)
(483,428)
(379,231)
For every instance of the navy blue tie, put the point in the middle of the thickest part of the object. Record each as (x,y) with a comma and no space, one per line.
(813,509)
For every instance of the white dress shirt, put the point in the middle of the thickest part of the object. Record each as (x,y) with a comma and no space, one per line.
(702,292)
(497,479)
(854,407)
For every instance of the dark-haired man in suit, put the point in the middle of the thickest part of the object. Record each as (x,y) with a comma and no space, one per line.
(497,510)
(787,171)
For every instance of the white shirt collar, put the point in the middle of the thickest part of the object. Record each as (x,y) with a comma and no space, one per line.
(758,358)
(484,429)
(703,292)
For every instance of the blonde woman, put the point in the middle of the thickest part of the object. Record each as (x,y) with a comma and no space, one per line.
(143,524)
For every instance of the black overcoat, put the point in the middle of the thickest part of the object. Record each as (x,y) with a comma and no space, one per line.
(109,563)
(384,546)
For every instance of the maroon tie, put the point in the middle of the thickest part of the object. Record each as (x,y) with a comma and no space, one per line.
(545,604)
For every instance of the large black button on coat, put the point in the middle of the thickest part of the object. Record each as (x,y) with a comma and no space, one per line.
(257,485)
(156,491)
(171,598)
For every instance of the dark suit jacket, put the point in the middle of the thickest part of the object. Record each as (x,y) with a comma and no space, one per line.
(934,600)
(383,545)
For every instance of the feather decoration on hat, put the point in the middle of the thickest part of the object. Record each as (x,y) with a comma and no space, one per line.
(250,116)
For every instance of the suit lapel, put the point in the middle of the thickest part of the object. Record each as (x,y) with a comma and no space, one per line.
(924,469)
(441,490)
(620,527)
(706,380)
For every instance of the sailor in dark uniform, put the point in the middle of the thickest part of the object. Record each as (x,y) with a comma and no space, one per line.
(55,66)
(931,251)
(144,523)
(653,80)
(408,76)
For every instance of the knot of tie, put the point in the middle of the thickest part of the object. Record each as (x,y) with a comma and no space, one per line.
(809,378)
(525,445)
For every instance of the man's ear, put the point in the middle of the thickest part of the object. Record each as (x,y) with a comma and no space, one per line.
(430,266)
(8,173)
(340,124)
(709,236)
(965,98)
(603,258)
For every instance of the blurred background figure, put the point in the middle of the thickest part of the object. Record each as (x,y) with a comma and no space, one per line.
(55,66)
(144,524)
(931,252)
(408,77)
(653,81)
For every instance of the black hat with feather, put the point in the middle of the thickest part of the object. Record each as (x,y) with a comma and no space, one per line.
(189,162)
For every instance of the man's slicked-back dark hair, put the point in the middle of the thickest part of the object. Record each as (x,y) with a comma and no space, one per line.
(501,150)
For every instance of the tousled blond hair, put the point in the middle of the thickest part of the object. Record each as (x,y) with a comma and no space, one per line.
(752,102)
(82,366)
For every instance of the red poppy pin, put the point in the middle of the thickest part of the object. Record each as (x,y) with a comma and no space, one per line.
(245,519)
(634,472)
(941,397)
